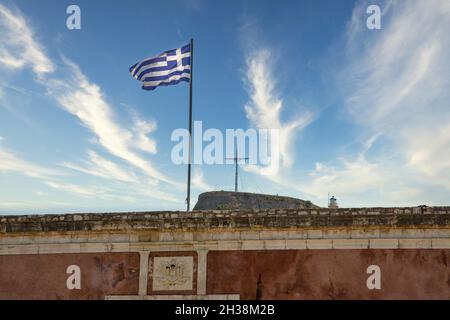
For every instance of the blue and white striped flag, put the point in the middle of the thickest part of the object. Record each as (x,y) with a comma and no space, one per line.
(170,67)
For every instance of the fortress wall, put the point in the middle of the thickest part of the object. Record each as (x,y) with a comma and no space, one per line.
(267,254)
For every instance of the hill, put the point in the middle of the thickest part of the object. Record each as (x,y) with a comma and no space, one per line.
(224,200)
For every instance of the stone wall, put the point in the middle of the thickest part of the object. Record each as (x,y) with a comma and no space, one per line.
(228,219)
(243,254)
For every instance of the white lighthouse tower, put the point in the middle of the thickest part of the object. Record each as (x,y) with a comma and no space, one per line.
(332,204)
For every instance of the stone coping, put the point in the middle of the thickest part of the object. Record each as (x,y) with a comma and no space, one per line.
(229,219)
(176,297)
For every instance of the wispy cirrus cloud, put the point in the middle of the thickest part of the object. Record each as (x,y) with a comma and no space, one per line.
(265,107)
(9,161)
(394,83)
(91,191)
(101,167)
(199,182)
(397,83)
(18,47)
(73,91)
(86,101)
(141,129)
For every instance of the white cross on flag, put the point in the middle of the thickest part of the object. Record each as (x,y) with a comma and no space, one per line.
(170,67)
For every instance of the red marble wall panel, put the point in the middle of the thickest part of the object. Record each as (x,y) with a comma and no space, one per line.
(329,274)
(44,276)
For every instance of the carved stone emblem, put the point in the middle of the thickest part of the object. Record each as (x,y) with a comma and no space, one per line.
(173,273)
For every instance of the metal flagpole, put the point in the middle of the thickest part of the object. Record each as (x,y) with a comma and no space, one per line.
(236,171)
(188,198)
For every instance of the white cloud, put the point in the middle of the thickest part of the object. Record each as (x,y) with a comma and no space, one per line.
(101,167)
(17,45)
(86,101)
(144,191)
(350,178)
(265,107)
(397,83)
(18,207)
(124,192)
(142,128)
(93,191)
(11,162)
(130,184)
(199,182)
(395,86)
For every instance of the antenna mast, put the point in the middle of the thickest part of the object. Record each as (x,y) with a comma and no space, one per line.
(236,170)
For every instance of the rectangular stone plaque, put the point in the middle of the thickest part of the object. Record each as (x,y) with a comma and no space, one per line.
(173,273)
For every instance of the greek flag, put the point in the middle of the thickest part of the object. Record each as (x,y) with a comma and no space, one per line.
(170,67)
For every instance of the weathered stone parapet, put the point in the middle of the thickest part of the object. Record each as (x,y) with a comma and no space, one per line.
(224,220)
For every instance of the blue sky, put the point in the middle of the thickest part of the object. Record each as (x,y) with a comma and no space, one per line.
(364,114)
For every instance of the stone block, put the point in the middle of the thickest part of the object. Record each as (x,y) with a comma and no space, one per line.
(368,233)
(350,244)
(296,234)
(319,244)
(315,234)
(252,245)
(440,243)
(336,234)
(249,235)
(272,235)
(383,243)
(226,235)
(412,233)
(296,244)
(182,236)
(275,244)
(229,245)
(438,232)
(415,244)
